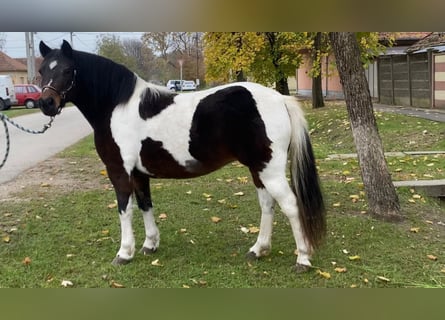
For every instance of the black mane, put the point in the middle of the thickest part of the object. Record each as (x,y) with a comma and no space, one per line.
(101,83)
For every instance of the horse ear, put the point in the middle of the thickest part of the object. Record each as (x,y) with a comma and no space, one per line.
(44,49)
(66,49)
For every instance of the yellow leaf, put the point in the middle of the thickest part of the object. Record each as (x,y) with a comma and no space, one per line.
(163,216)
(239,194)
(254,229)
(206,195)
(354,258)
(222,201)
(383,279)
(325,275)
(415,229)
(346,172)
(354,196)
(216,219)
(443,270)
(104,173)
(431,257)
(411,200)
(112,205)
(156,263)
(114,284)
(66,283)
(189,192)
(340,270)
(44,185)
(417,196)
(105,232)
(183,230)
(243,180)
(6,239)
(27,261)
(337,204)
(353,286)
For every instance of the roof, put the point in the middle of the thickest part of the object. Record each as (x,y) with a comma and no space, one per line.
(434,41)
(9,64)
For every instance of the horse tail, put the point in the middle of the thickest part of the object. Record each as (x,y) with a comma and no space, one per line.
(304,178)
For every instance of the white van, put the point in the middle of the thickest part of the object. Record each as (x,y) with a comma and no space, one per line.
(7,92)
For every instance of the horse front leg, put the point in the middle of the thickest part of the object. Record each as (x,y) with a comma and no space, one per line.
(124,190)
(143,197)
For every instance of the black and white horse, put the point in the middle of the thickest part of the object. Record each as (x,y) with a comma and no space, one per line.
(144,131)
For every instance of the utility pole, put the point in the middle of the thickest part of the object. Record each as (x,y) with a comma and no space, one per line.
(30,56)
(71,40)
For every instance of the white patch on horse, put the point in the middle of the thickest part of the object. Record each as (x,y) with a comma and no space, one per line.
(53,64)
(171,127)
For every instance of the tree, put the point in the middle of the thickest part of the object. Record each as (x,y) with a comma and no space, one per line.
(382,197)
(2,40)
(111,47)
(266,57)
(317,89)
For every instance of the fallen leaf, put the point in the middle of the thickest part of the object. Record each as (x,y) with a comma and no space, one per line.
(325,275)
(254,229)
(365,280)
(383,279)
(443,270)
(415,229)
(244,230)
(115,284)
(6,239)
(104,173)
(66,283)
(340,270)
(431,257)
(345,251)
(163,216)
(243,180)
(206,195)
(27,261)
(411,201)
(354,197)
(353,286)
(189,192)
(215,219)
(183,230)
(417,196)
(44,185)
(156,263)
(239,194)
(112,205)
(222,201)
(337,204)
(354,258)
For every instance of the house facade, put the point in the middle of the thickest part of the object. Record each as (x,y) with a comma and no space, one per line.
(17,70)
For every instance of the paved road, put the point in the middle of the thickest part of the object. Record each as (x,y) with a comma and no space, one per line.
(27,150)
(430,114)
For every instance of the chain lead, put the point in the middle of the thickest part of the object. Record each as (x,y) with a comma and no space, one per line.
(5,119)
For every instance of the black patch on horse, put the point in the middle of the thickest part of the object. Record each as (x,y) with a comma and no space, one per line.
(153,102)
(160,163)
(227,126)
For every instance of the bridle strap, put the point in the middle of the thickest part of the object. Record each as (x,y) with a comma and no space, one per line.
(63,93)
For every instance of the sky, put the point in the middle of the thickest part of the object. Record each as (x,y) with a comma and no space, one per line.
(84,41)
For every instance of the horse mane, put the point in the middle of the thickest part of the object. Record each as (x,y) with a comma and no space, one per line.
(104,83)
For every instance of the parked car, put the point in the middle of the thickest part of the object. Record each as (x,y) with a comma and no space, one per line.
(174,85)
(178,85)
(27,94)
(188,85)
(7,92)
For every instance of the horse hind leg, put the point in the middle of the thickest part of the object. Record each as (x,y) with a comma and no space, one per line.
(263,244)
(143,196)
(274,179)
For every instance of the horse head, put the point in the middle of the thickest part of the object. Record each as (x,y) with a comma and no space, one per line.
(58,76)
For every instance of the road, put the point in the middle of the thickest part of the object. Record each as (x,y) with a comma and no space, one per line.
(27,150)
(430,114)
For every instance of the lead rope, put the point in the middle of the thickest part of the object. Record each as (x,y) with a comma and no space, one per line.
(5,119)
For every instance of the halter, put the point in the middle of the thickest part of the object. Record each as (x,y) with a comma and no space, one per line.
(63,93)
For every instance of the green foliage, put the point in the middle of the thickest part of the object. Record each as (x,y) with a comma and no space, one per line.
(112,48)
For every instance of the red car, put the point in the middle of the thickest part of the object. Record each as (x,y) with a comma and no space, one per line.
(27,94)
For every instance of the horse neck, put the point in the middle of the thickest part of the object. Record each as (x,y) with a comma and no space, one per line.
(101,85)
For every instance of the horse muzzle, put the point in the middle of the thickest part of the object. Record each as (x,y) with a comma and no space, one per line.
(50,106)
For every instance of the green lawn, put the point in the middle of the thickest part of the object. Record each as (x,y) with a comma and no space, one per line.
(53,233)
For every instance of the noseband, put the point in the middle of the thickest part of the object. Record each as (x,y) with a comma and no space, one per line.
(62,93)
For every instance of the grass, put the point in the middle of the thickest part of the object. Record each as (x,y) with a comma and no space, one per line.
(19,111)
(69,233)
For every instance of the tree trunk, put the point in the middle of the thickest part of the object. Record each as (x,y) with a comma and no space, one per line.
(282,86)
(382,197)
(317,89)
(240,77)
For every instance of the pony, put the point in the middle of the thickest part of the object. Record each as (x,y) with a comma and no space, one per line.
(144,131)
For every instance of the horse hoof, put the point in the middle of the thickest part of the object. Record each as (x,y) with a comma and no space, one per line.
(118,261)
(301,268)
(148,251)
(251,256)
